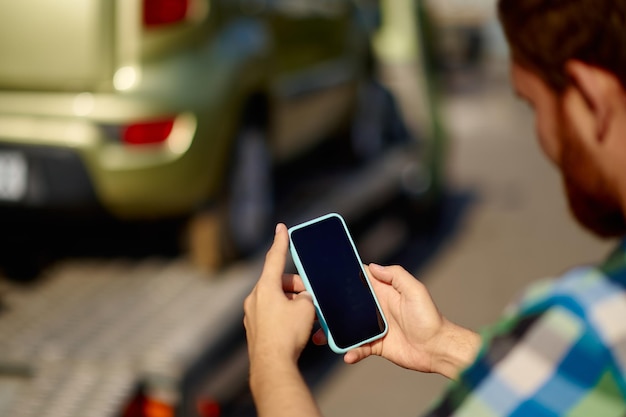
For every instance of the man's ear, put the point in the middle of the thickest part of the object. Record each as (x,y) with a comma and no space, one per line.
(600,90)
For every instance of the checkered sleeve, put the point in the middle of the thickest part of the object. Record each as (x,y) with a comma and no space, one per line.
(561,354)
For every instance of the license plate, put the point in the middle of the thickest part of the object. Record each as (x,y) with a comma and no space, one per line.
(13,176)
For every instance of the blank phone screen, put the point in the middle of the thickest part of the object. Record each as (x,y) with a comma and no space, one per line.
(338,282)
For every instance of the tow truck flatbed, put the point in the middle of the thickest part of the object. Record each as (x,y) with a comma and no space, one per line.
(89,334)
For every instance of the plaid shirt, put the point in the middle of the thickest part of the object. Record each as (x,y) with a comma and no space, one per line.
(560,352)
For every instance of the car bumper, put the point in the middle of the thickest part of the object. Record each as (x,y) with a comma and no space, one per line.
(43,177)
(71,164)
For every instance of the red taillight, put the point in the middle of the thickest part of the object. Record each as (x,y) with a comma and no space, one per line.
(208,408)
(147,133)
(164,12)
(142,406)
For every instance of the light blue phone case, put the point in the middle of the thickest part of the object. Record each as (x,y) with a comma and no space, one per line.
(307,285)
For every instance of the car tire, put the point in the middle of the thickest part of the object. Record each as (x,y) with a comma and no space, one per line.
(28,250)
(240,223)
(379,126)
(250,199)
(377,123)
(21,266)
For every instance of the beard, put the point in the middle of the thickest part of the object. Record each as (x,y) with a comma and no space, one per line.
(589,195)
(596,213)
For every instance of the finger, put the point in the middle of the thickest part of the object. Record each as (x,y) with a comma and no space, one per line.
(294,296)
(293,283)
(305,295)
(276,257)
(396,276)
(319,338)
(305,299)
(357,355)
(304,310)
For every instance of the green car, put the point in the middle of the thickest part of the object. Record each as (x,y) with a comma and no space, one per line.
(153,109)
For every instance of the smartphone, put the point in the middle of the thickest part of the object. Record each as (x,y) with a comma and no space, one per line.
(327,260)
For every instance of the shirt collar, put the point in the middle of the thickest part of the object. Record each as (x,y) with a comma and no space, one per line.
(615,264)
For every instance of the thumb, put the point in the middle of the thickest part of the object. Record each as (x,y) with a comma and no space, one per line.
(381,273)
(396,276)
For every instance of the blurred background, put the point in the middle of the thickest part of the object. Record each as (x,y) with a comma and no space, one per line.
(148,147)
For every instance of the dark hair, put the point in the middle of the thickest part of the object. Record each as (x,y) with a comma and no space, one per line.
(544,34)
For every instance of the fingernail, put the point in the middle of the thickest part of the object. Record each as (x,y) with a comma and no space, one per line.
(377,267)
(277,229)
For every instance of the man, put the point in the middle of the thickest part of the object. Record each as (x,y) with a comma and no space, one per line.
(561,351)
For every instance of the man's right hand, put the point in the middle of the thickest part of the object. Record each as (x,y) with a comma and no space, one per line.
(419,336)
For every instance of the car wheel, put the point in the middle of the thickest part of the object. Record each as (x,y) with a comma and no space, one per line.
(23,261)
(20,268)
(250,199)
(240,223)
(378,123)
(379,126)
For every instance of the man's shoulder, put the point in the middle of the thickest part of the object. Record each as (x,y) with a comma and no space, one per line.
(582,287)
(588,306)
(580,290)
(566,336)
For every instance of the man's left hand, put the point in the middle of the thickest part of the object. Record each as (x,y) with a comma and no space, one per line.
(279,313)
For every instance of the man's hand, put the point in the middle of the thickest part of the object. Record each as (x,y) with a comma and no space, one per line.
(279,314)
(278,319)
(419,337)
